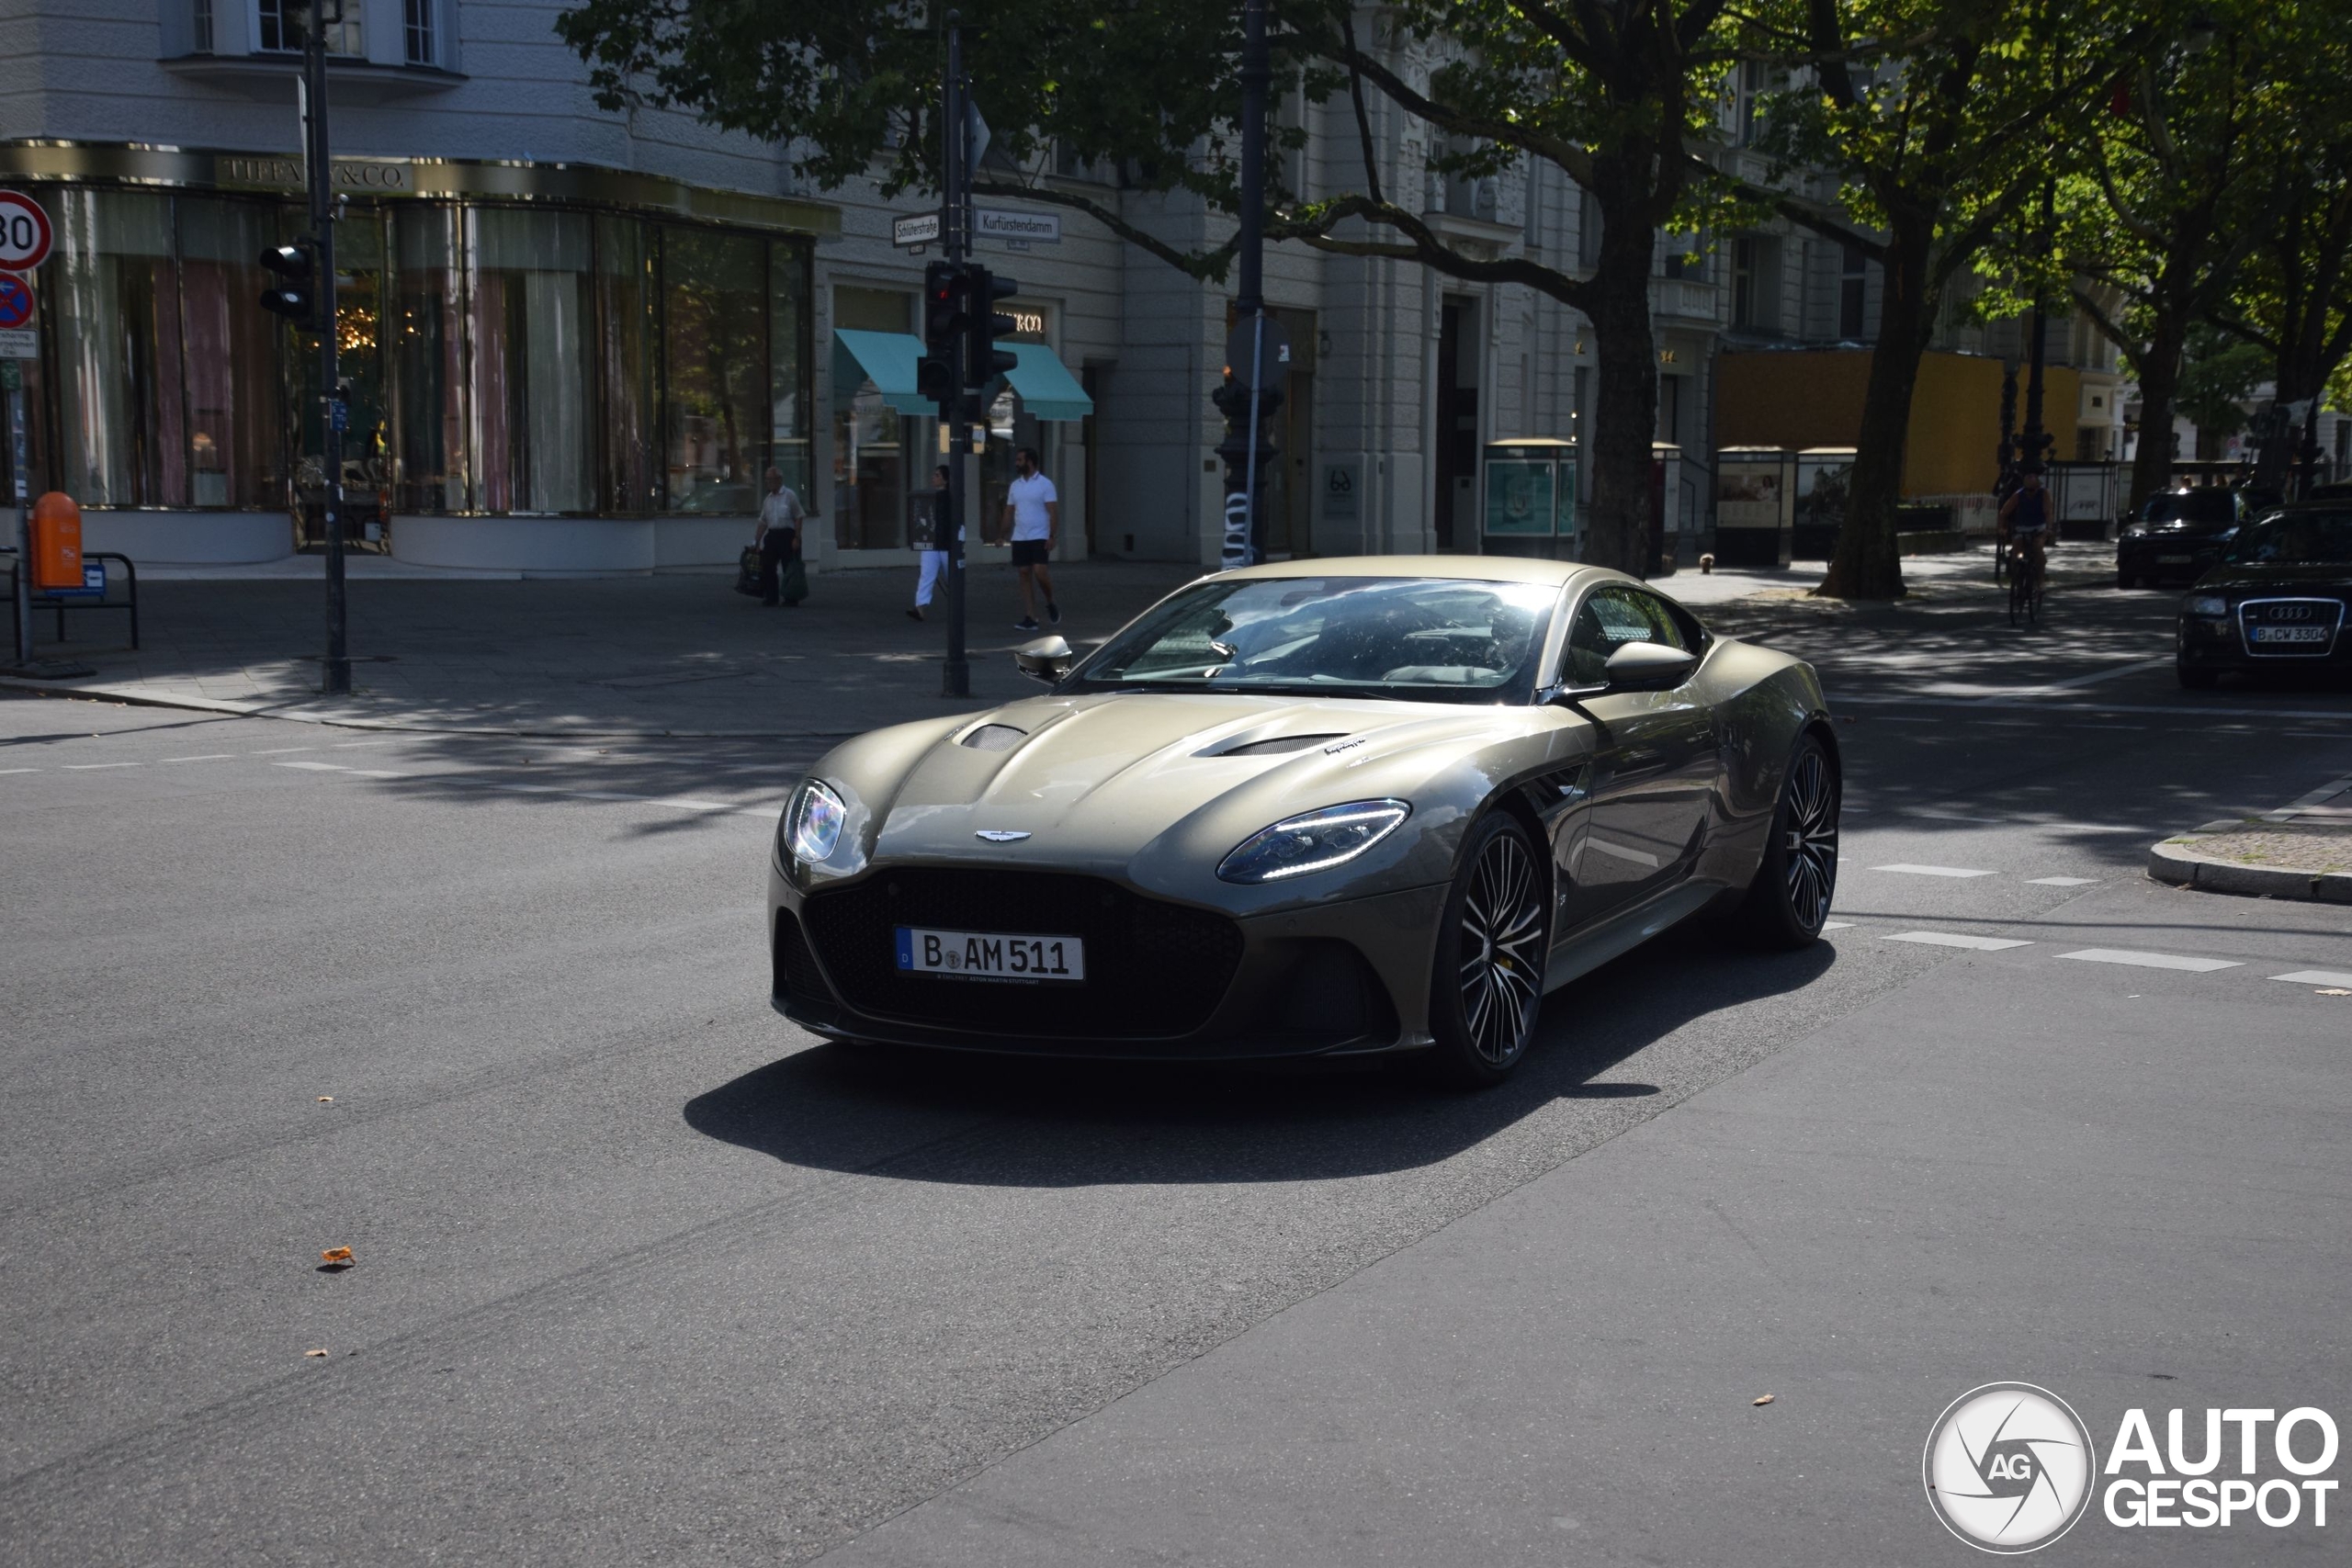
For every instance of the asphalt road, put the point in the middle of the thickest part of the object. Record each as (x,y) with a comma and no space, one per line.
(640,1274)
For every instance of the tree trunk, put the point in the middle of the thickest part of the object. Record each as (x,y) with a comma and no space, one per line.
(1866,565)
(2159,376)
(1624,415)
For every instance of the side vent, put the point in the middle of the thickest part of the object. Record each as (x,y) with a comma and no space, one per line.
(995,737)
(1278,744)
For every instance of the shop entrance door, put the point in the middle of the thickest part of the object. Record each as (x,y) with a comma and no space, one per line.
(1455,438)
(359,314)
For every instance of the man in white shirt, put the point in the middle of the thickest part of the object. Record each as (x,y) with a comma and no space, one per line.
(1033,513)
(778,536)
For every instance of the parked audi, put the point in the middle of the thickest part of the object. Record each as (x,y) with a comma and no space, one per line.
(2178,535)
(2276,600)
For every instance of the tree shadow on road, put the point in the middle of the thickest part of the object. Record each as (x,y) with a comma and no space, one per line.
(1050,1122)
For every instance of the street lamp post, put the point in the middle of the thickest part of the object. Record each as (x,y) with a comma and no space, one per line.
(335,673)
(1255,346)
(956,675)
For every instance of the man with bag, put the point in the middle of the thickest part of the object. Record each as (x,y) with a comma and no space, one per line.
(782,579)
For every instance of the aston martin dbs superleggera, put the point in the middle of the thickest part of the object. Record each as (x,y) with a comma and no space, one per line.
(1330,806)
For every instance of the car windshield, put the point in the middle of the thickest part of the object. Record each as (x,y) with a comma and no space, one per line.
(2190,506)
(2296,538)
(1434,640)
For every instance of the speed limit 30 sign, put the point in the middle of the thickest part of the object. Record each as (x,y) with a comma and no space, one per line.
(24,233)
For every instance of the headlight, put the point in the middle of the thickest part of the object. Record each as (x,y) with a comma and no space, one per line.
(2207,604)
(2137,531)
(813,827)
(1316,840)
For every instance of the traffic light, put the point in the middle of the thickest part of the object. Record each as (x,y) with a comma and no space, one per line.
(943,317)
(986,361)
(295,293)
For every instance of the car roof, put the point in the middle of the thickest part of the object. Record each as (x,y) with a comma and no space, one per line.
(1465,569)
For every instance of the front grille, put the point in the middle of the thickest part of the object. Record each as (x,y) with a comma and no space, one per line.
(1154,971)
(796,978)
(2325,615)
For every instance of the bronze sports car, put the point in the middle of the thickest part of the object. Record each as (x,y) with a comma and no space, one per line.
(1332,807)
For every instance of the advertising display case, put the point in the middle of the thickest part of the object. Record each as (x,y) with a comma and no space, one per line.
(1756,496)
(1531,499)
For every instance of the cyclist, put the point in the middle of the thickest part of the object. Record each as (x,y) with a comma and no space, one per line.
(2024,526)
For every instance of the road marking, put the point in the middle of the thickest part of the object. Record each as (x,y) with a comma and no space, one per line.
(352,745)
(87,767)
(314,767)
(2151,960)
(2062,881)
(19,770)
(2317,977)
(2094,677)
(1836,925)
(1960,939)
(206,756)
(280,751)
(1910,870)
(367,772)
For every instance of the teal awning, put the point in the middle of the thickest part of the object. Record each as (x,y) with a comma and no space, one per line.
(1047,389)
(886,359)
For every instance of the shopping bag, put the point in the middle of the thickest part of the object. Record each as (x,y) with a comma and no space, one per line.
(796,581)
(747,571)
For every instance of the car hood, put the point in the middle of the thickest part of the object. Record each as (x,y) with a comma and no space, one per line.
(2327,581)
(1096,779)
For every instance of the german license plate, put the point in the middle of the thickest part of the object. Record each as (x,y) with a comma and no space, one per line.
(991,955)
(2290,634)
(2174,560)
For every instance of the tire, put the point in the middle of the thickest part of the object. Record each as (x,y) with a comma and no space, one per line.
(2196,680)
(1790,899)
(1493,937)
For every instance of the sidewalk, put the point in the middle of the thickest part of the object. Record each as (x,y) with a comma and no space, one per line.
(665,655)
(2301,851)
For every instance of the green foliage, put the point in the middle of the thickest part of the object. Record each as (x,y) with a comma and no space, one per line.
(2217,372)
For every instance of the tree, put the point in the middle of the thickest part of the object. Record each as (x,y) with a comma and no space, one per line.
(2216,376)
(2172,197)
(1621,94)
(1937,118)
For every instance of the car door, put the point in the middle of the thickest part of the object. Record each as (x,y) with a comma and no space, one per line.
(1655,760)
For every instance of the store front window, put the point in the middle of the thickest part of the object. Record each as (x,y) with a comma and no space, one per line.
(498,359)
(869,436)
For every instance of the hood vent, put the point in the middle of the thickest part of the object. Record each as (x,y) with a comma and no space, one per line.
(995,737)
(1278,745)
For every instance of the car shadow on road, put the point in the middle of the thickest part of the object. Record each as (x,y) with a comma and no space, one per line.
(1048,1123)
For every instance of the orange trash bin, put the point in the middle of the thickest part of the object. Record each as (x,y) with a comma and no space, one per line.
(57,541)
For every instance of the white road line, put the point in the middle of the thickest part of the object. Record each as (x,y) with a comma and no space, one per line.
(1960,939)
(2094,678)
(1910,870)
(206,756)
(19,770)
(2317,977)
(1836,925)
(372,772)
(2061,881)
(2326,793)
(90,767)
(280,751)
(354,745)
(314,767)
(2151,960)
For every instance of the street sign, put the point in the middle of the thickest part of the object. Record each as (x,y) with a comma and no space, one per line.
(16,301)
(1035,227)
(1272,356)
(20,343)
(24,233)
(922,229)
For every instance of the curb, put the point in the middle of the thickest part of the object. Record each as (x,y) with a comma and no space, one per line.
(403,726)
(2175,861)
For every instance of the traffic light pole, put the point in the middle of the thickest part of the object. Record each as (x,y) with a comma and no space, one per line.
(955,677)
(336,673)
(1244,448)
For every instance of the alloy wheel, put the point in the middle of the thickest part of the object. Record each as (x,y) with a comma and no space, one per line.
(1812,837)
(1502,949)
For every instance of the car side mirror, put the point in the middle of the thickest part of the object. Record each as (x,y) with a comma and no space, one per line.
(1649,666)
(1048,659)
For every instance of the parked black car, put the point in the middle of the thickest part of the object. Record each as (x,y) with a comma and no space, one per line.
(2178,535)
(2276,600)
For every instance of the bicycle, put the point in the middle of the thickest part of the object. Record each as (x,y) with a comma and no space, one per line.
(2026,582)
(2000,559)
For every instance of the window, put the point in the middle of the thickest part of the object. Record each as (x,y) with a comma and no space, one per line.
(416,32)
(235,442)
(530,305)
(1756,283)
(1611,618)
(1850,293)
(281,23)
(203,40)
(870,457)
(1684,258)
(114,284)
(426,332)
(1751,90)
(715,359)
